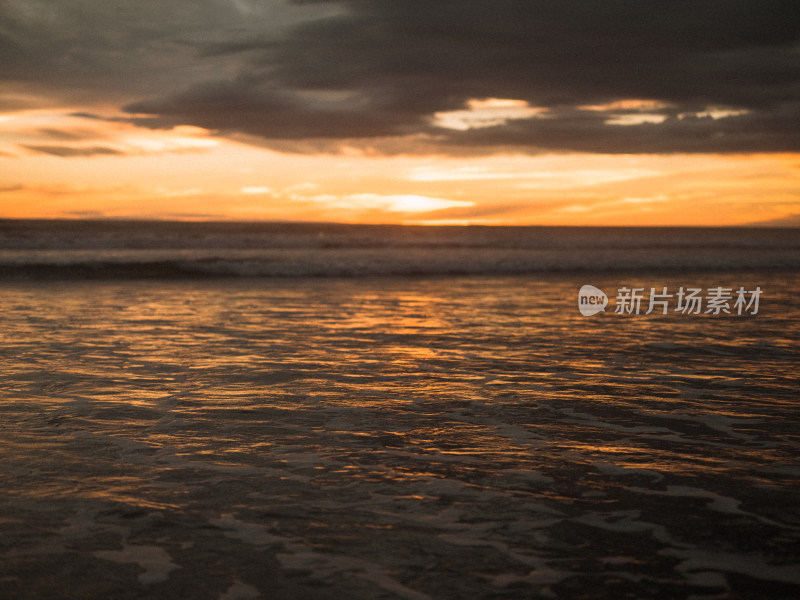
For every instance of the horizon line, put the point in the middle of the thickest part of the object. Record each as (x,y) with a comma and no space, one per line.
(223,221)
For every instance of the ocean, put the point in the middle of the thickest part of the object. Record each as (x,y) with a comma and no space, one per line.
(233,411)
(165,250)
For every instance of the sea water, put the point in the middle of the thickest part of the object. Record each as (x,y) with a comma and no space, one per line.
(241,411)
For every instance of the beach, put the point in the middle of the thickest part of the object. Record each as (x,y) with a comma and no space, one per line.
(430,435)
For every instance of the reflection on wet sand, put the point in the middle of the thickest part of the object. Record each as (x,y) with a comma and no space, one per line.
(421,438)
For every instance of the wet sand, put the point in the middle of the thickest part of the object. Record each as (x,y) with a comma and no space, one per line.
(410,438)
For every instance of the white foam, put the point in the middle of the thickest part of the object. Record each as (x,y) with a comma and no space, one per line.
(250,533)
(324,566)
(627,521)
(718,503)
(240,591)
(155,561)
(746,564)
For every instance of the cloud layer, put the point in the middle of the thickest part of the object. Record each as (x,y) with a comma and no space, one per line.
(618,76)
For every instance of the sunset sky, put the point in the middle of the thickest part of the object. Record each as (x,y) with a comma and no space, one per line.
(568,112)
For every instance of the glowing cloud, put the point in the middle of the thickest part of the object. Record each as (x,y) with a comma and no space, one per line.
(256,190)
(631,104)
(486,112)
(397,203)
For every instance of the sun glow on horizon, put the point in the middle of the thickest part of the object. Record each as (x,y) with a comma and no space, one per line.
(71,165)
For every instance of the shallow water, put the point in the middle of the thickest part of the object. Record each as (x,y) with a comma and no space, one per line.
(444,437)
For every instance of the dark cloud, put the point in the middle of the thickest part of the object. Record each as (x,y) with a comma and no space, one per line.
(724,74)
(385,68)
(67,135)
(757,131)
(96,51)
(74,151)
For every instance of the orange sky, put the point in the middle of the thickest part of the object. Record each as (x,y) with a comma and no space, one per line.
(355,111)
(189,173)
